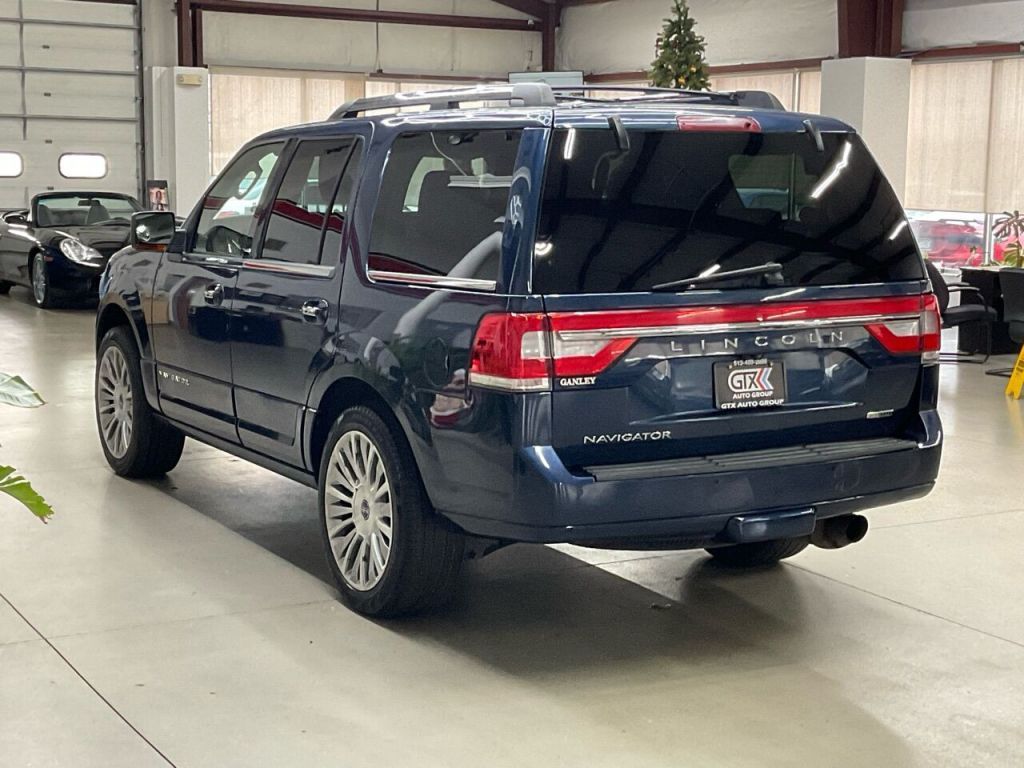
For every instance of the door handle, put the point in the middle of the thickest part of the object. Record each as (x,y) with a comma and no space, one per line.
(314,310)
(214,294)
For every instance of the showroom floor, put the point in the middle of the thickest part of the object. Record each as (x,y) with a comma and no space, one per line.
(191,622)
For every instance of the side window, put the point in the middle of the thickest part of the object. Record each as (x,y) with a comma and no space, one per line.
(442,204)
(228,218)
(312,202)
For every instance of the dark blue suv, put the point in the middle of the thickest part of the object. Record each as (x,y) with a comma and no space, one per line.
(667,320)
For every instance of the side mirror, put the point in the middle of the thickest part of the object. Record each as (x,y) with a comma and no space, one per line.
(152,230)
(17,218)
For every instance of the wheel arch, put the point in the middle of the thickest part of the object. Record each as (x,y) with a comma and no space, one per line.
(343,393)
(112,315)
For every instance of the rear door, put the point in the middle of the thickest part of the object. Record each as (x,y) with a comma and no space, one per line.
(825,347)
(193,291)
(284,313)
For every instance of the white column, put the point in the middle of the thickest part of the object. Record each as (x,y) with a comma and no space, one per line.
(872,95)
(180,132)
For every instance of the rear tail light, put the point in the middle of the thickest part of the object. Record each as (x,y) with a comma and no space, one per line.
(524,352)
(912,335)
(510,352)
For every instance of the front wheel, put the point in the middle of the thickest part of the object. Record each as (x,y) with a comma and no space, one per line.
(389,551)
(758,553)
(42,294)
(135,442)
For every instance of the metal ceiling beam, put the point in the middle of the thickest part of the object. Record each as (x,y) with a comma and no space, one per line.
(870,27)
(321,12)
(535,8)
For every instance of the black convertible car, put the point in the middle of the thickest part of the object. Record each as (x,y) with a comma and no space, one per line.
(59,247)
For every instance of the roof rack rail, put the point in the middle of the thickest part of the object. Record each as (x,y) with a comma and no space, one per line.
(755,99)
(521,94)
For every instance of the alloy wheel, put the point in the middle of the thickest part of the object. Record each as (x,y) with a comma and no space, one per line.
(39,278)
(358,510)
(114,402)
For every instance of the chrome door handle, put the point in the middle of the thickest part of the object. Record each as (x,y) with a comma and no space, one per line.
(314,310)
(214,294)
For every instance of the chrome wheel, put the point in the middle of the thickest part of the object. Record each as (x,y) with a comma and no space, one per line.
(358,510)
(39,278)
(114,402)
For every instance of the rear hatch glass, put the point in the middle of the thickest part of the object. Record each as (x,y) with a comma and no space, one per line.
(758,361)
(677,204)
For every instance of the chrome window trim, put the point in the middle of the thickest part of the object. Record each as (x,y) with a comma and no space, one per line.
(762,325)
(290,268)
(434,281)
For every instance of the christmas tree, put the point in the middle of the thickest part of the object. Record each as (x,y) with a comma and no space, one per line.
(680,62)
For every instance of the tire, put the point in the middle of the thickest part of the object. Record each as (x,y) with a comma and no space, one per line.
(758,553)
(370,490)
(5,287)
(135,442)
(42,293)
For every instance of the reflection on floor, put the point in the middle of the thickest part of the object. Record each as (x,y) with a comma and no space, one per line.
(191,622)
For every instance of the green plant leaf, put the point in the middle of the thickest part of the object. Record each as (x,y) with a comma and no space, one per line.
(19,489)
(14,391)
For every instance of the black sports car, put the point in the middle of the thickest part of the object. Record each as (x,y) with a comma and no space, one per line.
(59,247)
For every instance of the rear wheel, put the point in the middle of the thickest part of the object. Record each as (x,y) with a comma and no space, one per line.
(135,442)
(389,551)
(758,553)
(5,287)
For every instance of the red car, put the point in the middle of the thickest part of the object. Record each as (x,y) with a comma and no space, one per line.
(954,243)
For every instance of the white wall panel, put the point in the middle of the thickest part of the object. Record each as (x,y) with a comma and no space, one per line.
(943,23)
(103,50)
(59,94)
(77,10)
(233,40)
(91,110)
(620,36)
(10,54)
(10,92)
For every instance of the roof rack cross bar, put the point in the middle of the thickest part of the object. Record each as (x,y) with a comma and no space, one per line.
(520,94)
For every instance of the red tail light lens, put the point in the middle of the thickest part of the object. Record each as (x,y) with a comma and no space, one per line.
(718,123)
(510,352)
(521,352)
(912,335)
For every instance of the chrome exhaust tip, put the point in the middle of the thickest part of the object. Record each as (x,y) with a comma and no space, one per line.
(836,532)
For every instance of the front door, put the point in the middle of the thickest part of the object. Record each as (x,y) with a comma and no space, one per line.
(284,310)
(193,291)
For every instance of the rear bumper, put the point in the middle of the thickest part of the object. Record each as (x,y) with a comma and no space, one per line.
(694,508)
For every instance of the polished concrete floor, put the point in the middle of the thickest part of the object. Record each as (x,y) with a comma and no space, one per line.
(191,622)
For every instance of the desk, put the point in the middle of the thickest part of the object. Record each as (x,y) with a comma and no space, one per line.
(971,337)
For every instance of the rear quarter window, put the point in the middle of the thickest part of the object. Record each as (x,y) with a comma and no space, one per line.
(441,207)
(677,204)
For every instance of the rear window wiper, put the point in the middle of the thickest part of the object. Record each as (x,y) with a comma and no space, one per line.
(771,267)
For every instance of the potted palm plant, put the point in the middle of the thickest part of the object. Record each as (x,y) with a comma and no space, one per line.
(1009,230)
(14,391)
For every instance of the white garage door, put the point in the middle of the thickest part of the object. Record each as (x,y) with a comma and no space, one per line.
(70,104)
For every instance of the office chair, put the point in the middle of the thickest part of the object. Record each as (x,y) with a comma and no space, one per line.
(954,317)
(1011,283)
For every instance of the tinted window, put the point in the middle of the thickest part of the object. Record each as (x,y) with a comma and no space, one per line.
(678,204)
(79,210)
(442,203)
(227,220)
(312,196)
